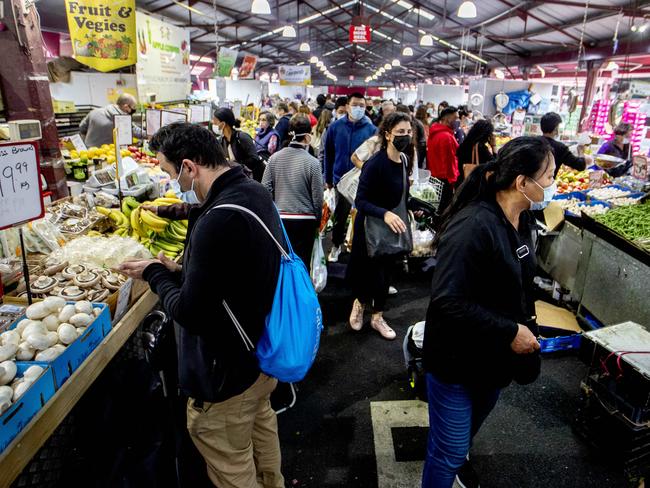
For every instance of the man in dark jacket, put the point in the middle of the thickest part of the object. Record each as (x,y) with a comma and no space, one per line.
(343,138)
(231,262)
(320,100)
(282,127)
(550,125)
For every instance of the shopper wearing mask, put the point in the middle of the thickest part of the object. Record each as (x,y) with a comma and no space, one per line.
(238,145)
(441,153)
(461,124)
(550,125)
(480,331)
(97,127)
(419,138)
(267,138)
(340,107)
(479,147)
(295,181)
(343,138)
(282,127)
(381,188)
(619,146)
(230,259)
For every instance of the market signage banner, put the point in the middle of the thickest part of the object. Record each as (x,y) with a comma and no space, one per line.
(226,61)
(163,67)
(295,75)
(360,34)
(247,70)
(102,36)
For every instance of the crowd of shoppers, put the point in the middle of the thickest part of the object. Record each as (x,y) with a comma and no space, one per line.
(478,338)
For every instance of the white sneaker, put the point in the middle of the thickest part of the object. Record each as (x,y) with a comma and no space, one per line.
(392,290)
(356,316)
(379,324)
(334,254)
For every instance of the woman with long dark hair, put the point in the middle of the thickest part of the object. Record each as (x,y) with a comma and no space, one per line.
(381,188)
(238,145)
(478,147)
(423,116)
(480,332)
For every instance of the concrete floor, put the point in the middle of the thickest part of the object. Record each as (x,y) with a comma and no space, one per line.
(355,415)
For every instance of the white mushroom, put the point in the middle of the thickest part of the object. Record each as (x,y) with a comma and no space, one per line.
(35,327)
(49,354)
(67,312)
(84,306)
(33,372)
(20,389)
(97,311)
(67,333)
(37,311)
(7,372)
(8,351)
(25,352)
(6,392)
(41,342)
(81,320)
(10,336)
(51,322)
(54,304)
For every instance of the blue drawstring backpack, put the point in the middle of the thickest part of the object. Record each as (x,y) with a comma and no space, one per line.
(290,340)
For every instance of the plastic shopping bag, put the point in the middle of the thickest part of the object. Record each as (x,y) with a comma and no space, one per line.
(349,184)
(318,265)
(329,205)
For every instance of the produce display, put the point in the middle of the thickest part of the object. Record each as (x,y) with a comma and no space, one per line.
(73,216)
(249,126)
(575,207)
(12,387)
(155,233)
(624,201)
(607,193)
(632,222)
(96,252)
(569,180)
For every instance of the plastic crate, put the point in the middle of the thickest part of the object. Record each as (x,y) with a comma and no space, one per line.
(562,343)
(14,419)
(76,353)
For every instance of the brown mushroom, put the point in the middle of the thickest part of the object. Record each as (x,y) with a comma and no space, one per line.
(60,279)
(112,282)
(44,284)
(71,271)
(98,295)
(73,293)
(53,267)
(87,279)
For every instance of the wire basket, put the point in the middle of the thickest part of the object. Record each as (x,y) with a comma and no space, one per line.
(429,191)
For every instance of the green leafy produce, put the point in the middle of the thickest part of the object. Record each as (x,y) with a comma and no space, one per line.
(632,222)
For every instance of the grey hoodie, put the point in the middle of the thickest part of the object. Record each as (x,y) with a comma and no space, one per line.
(97,127)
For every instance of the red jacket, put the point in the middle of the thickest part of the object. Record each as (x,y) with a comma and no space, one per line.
(441,153)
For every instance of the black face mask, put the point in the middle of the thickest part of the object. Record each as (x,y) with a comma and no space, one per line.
(401,142)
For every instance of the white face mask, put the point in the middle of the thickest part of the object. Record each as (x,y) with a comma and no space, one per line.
(357,113)
(187,196)
(549,193)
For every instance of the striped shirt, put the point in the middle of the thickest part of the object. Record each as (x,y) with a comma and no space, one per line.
(294,178)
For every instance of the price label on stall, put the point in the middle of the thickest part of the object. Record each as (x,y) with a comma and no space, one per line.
(123,299)
(20,184)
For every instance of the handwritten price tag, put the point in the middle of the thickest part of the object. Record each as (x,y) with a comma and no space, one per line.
(20,184)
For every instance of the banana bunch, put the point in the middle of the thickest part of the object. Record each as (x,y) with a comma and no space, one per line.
(119,219)
(128,205)
(156,233)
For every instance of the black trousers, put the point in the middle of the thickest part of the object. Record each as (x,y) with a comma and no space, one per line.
(302,234)
(446,197)
(341,214)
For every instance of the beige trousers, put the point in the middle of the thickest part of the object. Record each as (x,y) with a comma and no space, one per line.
(238,438)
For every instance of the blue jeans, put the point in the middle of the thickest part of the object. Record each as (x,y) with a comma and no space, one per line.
(456,413)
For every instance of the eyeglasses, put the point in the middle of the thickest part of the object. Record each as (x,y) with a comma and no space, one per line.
(403,132)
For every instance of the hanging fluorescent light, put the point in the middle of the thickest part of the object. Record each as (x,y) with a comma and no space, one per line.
(368,79)
(542,71)
(304,47)
(407,51)
(643,28)
(320,64)
(261,7)
(289,31)
(322,68)
(313,60)
(612,66)
(396,62)
(388,66)
(467,10)
(382,70)
(426,40)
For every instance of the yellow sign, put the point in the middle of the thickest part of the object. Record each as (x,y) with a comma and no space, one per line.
(102,34)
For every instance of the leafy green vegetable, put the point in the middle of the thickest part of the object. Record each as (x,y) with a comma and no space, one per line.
(632,222)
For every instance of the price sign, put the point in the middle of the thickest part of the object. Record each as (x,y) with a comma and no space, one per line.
(197,114)
(20,184)
(153,121)
(123,125)
(123,299)
(78,143)
(169,117)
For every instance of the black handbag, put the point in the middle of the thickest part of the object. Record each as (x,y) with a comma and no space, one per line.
(380,239)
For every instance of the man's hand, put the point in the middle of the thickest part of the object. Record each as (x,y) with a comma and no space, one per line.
(395,223)
(135,268)
(524,342)
(152,208)
(170,264)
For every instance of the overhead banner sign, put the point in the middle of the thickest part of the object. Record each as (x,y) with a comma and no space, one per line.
(102,36)
(247,70)
(360,34)
(225,61)
(163,67)
(295,75)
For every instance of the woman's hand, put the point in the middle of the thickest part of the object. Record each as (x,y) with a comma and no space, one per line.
(170,264)
(524,342)
(135,268)
(152,208)
(395,223)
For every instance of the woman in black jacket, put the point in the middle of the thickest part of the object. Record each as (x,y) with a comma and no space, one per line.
(238,145)
(478,147)
(381,189)
(480,329)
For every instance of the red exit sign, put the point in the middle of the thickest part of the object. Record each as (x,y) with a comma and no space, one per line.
(360,34)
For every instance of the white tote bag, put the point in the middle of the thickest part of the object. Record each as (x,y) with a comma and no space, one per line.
(348,184)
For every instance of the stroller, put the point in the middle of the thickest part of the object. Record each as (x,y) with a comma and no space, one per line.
(412,348)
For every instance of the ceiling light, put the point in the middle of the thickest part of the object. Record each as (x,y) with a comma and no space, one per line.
(634,28)
(612,66)
(382,70)
(320,64)
(499,74)
(426,40)
(191,9)
(261,7)
(387,66)
(313,60)
(643,28)
(289,31)
(374,77)
(304,47)
(407,51)
(396,62)
(542,71)
(467,10)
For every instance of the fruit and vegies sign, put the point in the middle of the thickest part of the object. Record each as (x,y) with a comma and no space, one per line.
(102,35)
